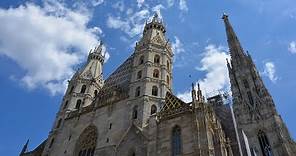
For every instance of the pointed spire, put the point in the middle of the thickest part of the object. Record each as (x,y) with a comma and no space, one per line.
(193,92)
(200,98)
(236,51)
(25,148)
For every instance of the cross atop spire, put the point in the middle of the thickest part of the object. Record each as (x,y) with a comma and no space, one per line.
(236,51)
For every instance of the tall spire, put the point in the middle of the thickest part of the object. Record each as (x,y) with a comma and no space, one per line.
(236,51)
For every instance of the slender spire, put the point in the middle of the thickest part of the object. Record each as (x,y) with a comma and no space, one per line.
(25,147)
(236,51)
(193,93)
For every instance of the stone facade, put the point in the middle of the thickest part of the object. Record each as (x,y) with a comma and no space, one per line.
(134,112)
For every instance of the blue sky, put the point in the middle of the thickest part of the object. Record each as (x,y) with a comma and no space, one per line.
(43,42)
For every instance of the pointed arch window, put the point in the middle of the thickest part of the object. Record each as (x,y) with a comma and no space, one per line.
(59,123)
(78,103)
(157,59)
(135,112)
(96,92)
(71,90)
(51,143)
(176,141)
(83,89)
(168,79)
(139,74)
(168,65)
(141,60)
(66,104)
(264,144)
(153,109)
(87,142)
(154,91)
(250,97)
(138,91)
(156,73)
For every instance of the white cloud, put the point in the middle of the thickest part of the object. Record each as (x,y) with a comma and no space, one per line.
(177,46)
(183,5)
(157,9)
(216,77)
(132,25)
(46,42)
(140,2)
(292,47)
(269,71)
(96,2)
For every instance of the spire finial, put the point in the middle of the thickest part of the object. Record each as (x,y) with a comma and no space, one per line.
(225,16)
(236,51)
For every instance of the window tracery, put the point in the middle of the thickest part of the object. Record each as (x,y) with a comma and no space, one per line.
(87,142)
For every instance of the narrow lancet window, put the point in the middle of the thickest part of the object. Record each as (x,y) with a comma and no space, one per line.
(157,59)
(264,144)
(154,91)
(176,141)
(83,88)
(78,103)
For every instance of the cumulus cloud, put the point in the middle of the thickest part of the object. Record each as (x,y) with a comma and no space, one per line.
(177,46)
(132,25)
(183,5)
(292,47)
(46,41)
(216,77)
(270,72)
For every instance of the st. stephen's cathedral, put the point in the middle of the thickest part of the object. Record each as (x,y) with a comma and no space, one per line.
(135,113)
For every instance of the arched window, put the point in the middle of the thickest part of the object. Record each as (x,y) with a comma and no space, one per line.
(87,142)
(59,123)
(141,60)
(157,59)
(153,109)
(264,144)
(154,91)
(78,103)
(168,79)
(156,73)
(139,74)
(176,141)
(66,104)
(138,91)
(250,97)
(135,112)
(168,65)
(51,143)
(83,88)
(96,92)
(71,90)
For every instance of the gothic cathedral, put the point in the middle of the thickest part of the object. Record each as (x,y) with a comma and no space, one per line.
(135,113)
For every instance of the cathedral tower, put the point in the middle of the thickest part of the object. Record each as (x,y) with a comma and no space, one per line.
(82,89)
(258,122)
(152,69)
